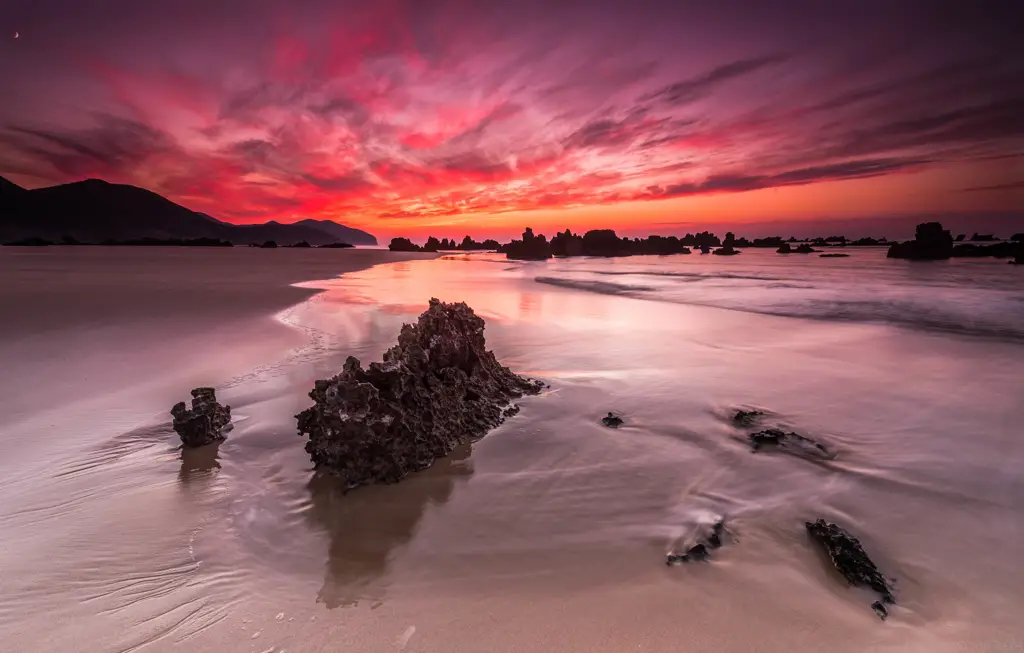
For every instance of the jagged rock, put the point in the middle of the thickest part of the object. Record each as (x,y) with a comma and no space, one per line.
(205,422)
(437,388)
(747,417)
(853,563)
(701,543)
(784,248)
(804,248)
(792,442)
(530,248)
(931,243)
(612,421)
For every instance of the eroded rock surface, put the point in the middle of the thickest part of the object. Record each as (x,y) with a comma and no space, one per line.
(437,388)
(791,442)
(205,422)
(852,562)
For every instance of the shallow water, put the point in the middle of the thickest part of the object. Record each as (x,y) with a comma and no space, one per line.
(551,532)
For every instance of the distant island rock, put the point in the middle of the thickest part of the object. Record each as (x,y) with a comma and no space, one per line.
(97,212)
(530,248)
(439,387)
(931,243)
(205,422)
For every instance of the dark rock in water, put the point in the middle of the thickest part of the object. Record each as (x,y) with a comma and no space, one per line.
(611,420)
(707,538)
(853,563)
(530,248)
(784,249)
(205,422)
(793,442)
(747,417)
(833,255)
(931,243)
(804,248)
(437,388)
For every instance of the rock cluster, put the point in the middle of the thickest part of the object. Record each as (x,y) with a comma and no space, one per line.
(437,388)
(931,243)
(205,422)
(530,248)
(853,563)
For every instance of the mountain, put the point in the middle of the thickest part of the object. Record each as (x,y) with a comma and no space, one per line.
(341,232)
(94,211)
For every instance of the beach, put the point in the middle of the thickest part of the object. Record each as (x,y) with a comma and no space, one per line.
(550,533)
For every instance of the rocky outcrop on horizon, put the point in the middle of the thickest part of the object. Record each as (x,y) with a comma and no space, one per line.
(439,387)
(530,248)
(931,243)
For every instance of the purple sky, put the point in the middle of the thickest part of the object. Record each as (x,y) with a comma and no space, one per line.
(483,116)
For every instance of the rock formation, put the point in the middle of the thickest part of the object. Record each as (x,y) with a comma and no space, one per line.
(804,248)
(931,243)
(205,422)
(791,442)
(853,563)
(833,255)
(747,417)
(612,421)
(530,248)
(699,545)
(437,388)
(784,248)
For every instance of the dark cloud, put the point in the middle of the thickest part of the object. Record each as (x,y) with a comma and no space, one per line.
(112,144)
(741,183)
(691,90)
(1013,185)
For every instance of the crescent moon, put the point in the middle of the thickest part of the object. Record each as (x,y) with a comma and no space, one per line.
(16,35)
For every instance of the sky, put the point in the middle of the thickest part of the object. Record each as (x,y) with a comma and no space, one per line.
(451,117)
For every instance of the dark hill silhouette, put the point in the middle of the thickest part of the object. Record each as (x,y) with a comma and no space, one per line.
(94,211)
(345,234)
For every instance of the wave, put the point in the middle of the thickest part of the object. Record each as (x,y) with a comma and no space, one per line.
(865,305)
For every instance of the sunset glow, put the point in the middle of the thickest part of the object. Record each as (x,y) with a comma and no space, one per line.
(459,117)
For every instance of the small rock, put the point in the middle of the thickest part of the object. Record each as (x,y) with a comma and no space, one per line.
(792,442)
(612,421)
(852,562)
(706,538)
(205,422)
(280,616)
(747,417)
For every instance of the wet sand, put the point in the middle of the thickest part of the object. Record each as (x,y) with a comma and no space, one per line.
(550,533)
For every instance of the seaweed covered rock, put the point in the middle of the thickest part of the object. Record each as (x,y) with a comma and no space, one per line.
(791,442)
(700,544)
(205,422)
(852,562)
(437,388)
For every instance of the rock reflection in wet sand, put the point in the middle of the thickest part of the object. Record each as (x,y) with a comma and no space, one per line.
(365,526)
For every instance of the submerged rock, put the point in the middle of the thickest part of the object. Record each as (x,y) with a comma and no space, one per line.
(853,563)
(702,542)
(205,422)
(612,421)
(437,388)
(793,442)
(747,417)
(833,255)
